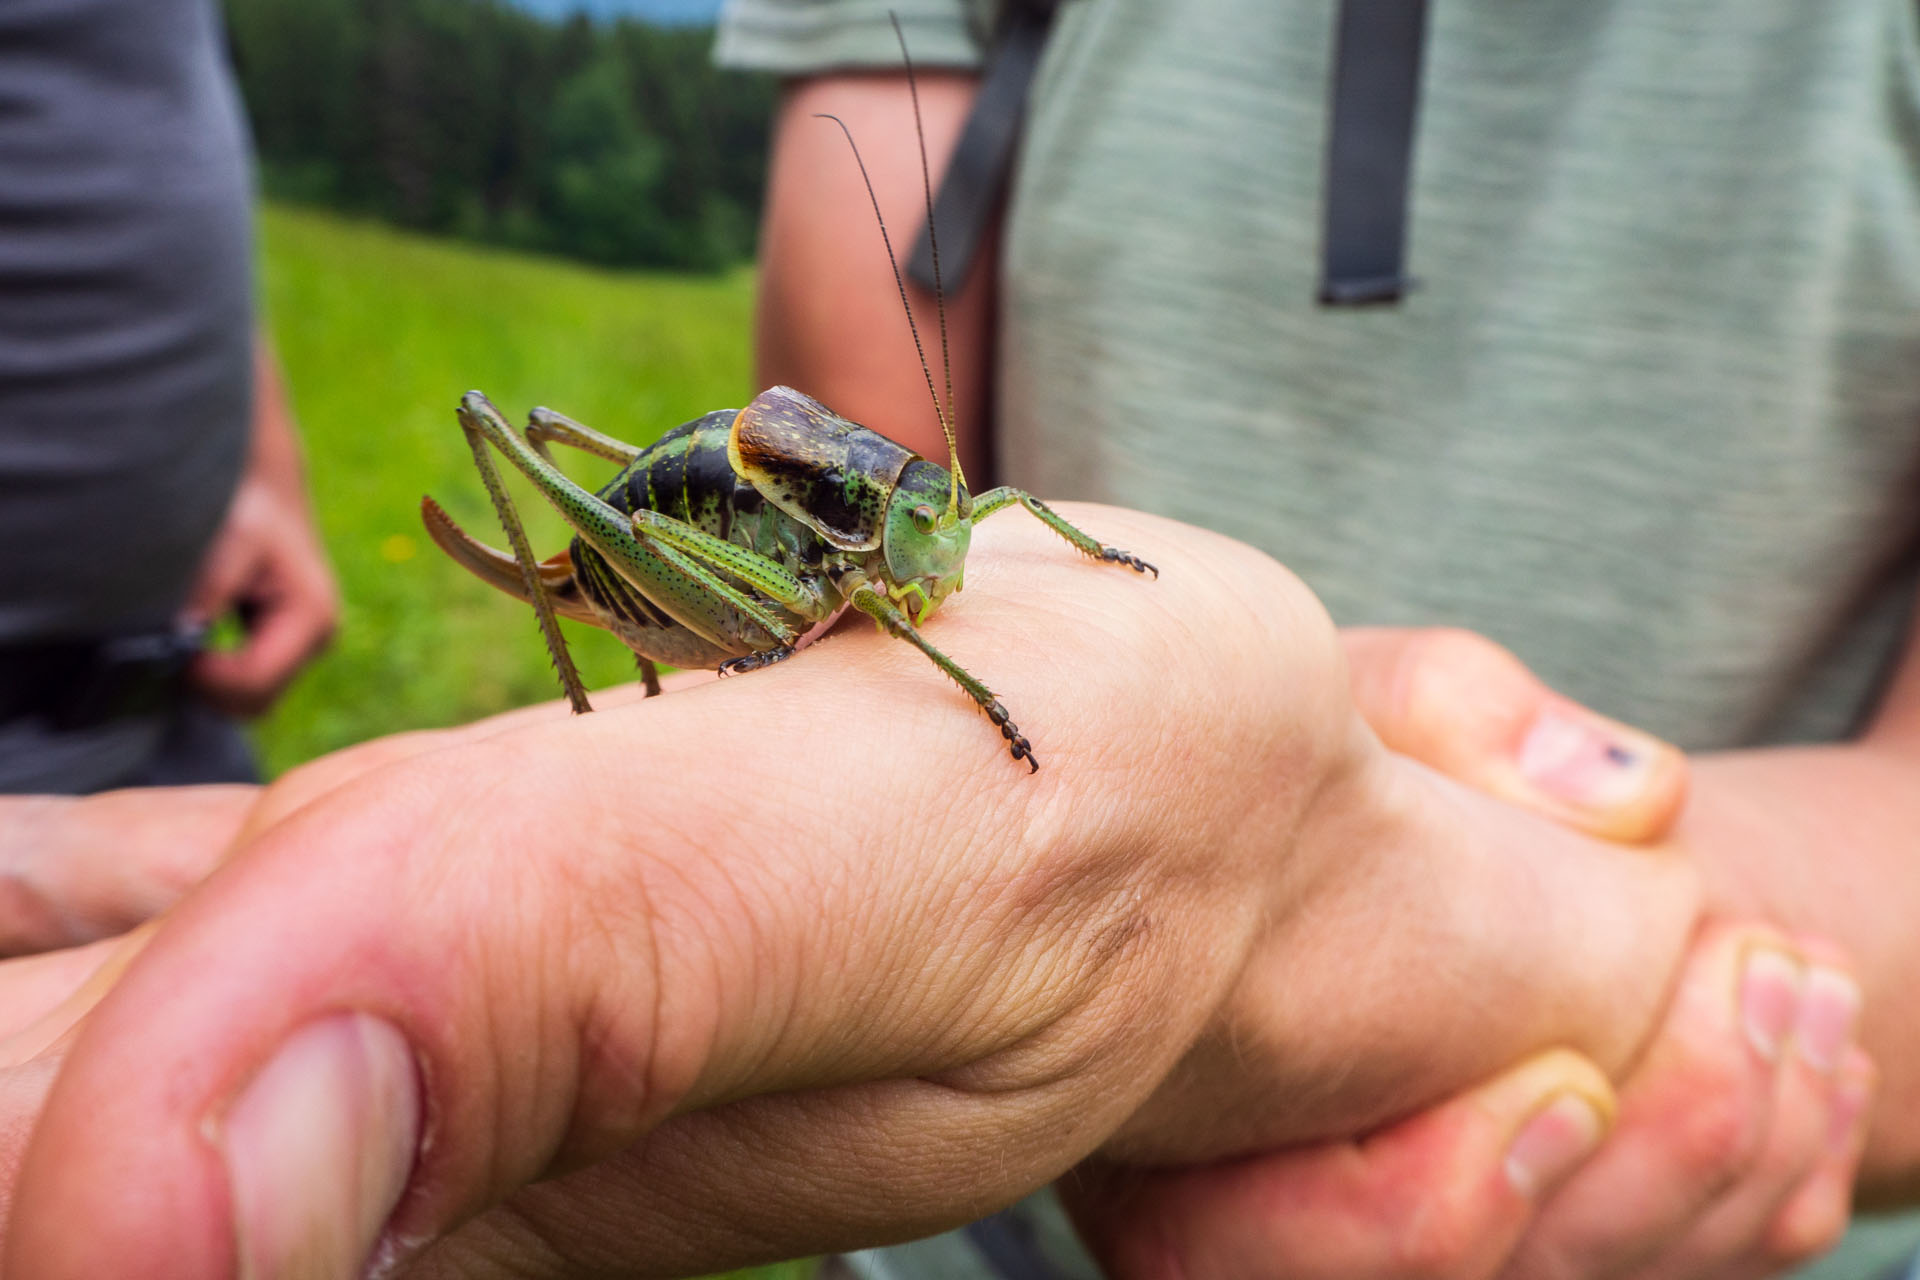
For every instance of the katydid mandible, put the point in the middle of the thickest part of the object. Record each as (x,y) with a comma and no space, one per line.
(725,541)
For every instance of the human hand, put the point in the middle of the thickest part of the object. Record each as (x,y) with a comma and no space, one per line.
(81,879)
(1718,1160)
(77,870)
(742,1022)
(1724,1159)
(267,566)
(74,873)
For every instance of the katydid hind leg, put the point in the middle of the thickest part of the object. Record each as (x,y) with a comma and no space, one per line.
(895,623)
(993,500)
(501,570)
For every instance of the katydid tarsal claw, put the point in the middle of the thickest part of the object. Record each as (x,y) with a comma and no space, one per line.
(726,540)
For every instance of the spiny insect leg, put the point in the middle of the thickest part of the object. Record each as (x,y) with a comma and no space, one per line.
(471,421)
(895,623)
(994,499)
(546,425)
(649,675)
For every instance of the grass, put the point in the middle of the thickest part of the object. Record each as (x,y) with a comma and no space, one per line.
(380,332)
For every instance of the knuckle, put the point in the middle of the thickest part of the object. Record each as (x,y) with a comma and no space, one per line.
(1449,678)
(1427,681)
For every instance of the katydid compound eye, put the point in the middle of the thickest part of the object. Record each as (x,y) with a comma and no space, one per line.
(923,519)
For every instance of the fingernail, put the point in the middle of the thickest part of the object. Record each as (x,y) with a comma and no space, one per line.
(319,1147)
(1589,762)
(1827,1014)
(1553,1142)
(1770,986)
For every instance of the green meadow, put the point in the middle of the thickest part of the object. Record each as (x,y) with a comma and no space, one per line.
(380,332)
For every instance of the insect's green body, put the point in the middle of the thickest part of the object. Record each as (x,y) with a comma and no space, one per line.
(685,475)
(726,540)
(853,480)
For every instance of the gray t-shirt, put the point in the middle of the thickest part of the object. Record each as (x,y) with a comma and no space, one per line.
(1652,418)
(125,309)
(126,329)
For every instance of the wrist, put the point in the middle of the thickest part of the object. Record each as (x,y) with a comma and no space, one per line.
(1502,933)
(1440,936)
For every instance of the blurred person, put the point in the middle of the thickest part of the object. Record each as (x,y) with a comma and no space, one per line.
(1649,420)
(150,478)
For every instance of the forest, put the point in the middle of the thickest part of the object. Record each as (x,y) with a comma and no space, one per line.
(615,142)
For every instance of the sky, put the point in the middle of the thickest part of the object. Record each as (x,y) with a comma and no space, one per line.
(666,12)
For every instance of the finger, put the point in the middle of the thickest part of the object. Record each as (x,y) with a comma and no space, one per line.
(33,986)
(76,869)
(231,562)
(1815,1216)
(293,619)
(1694,1115)
(1731,1237)
(1444,1194)
(69,993)
(23,1092)
(1465,706)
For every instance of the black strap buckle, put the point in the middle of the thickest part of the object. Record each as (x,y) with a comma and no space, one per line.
(76,684)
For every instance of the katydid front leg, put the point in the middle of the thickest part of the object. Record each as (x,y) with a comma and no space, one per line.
(993,500)
(894,622)
(473,422)
(545,426)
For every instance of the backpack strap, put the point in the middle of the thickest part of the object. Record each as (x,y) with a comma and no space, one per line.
(1379,49)
(976,176)
(1375,100)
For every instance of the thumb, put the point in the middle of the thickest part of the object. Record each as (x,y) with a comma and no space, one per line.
(1459,703)
(1448,1192)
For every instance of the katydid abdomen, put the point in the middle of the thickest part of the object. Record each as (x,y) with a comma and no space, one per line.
(685,475)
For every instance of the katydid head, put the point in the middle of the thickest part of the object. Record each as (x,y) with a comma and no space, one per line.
(929,525)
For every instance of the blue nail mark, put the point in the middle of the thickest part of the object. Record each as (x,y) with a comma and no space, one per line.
(1621,757)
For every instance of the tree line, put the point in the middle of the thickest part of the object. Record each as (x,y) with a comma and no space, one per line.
(617,142)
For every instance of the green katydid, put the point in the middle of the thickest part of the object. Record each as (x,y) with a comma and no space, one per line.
(726,540)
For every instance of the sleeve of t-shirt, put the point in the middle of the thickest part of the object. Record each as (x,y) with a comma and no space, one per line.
(807,37)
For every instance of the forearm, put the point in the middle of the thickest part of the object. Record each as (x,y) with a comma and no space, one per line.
(1823,840)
